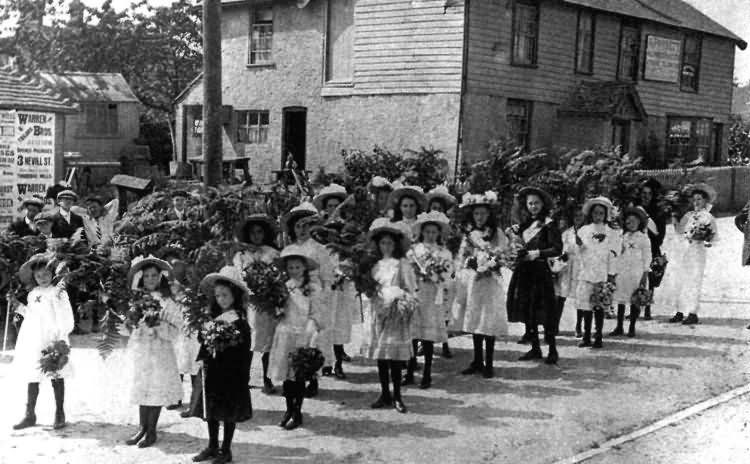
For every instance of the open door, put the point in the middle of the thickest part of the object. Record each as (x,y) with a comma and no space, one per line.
(294,136)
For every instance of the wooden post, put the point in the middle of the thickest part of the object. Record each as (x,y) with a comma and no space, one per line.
(212,121)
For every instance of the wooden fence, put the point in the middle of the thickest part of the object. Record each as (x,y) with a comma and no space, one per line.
(732,183)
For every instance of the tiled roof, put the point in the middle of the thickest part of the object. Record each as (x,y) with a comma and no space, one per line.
(91,87)
(602,99)
(676,13)
(21,92)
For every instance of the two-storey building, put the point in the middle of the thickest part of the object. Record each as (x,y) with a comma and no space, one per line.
(310,78)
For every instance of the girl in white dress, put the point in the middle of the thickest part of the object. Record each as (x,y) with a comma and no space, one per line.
(390,335)
(429,321)
(567,278)
(47,318)
(633,266)
(296,329)
(156,380)
(598,247)
(478,306)
(259,232)
(407,201)
(693,262)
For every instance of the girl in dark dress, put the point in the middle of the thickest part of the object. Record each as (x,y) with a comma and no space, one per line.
(226,373)
(649,194)
(531,294)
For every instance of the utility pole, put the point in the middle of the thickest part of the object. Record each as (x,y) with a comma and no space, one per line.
(212,120)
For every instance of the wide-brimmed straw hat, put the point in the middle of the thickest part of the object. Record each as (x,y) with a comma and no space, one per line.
(637,211)
(67,195)
(433,217)
(228,274)
(25,273)
(471,200)
(33,201)
(602,201)
(541,193)
(385,225)
(704,188)
(298,252)
(140,262)
(379,183)
(263,219)
(330,191)
(441,193)
(304,209)
(412,191)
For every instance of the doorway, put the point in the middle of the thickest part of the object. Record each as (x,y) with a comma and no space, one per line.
(621,134)
(294,136)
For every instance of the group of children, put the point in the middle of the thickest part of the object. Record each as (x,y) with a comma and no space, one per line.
(423,290)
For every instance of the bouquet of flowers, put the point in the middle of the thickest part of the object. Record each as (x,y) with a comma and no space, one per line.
(601,296)
(305,362)
(267,284)
(659,266)
(398,305)
(144,309)
(641,297)
(54,358)
(431,267)
(219,335)
(699,229)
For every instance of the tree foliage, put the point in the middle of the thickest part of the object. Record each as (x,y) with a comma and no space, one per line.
(739,143)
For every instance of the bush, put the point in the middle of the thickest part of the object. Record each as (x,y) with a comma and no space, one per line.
(425,168)
(362,166)
(739,143)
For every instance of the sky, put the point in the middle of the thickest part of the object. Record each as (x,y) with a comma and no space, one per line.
(732,14)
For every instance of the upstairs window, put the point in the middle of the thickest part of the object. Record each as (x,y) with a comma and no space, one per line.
(101,119)
(261,36)
(585,42)
(252,127)
(525,32)
(630,44)
(518,116)
(340,42)
(691,60)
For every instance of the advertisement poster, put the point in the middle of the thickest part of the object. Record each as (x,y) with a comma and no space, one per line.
(662,59)
(27,159)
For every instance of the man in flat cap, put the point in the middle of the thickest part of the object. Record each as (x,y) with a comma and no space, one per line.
(26,225)
(65,223)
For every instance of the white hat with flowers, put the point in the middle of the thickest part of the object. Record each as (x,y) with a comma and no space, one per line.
(304,209)
(601,201)
(400,191)
(470,200)
(329,191)
(385,225)
(228,274)
(441,193)
(433,217)
(379,183)
(140,262)
(299,252)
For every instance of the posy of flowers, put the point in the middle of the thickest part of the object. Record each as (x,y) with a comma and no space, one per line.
(54,358)
(601,296)
(485,259)
(218,335)
(429,265)
(305,362)
(641,297)
(659,265)
(144,310)
(398,306)
(267,284)
(699,227)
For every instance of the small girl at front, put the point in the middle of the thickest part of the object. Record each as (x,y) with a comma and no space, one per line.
(390,335)
(48,317)
(429,321)
(296,329)
(226,372)
(567,278)
(633,266)
(598,247)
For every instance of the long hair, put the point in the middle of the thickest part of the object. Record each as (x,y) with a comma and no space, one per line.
(397,214)
(526,218)
(305,277)
(268,237)
(440,235)
(292,224)
(164,288)
(237,305)
(398,249)
(491,224)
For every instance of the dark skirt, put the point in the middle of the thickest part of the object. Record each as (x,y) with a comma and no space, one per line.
(531,296)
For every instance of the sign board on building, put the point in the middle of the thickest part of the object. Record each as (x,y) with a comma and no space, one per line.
(27,159)
(662,59)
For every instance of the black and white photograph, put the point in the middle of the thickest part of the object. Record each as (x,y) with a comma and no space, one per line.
(374,231)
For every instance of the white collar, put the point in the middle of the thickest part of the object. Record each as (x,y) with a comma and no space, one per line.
(228,316)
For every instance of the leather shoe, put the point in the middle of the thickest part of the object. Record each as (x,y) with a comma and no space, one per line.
(472,369)
(223,457)
(399,406)
(381,402)
(206,454)
(534,353)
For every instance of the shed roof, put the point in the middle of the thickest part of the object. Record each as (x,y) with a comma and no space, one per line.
(22,92)
(602,99)
(91,87)
(676,13)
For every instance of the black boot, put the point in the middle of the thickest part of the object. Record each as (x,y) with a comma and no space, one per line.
(536,351)
(29,419)
(225,453)
(312,388)
(297,407)
(692,319)
(587,316)
(212,450)
(620,319)
(599,322)
(338,369)
(429,351)
(489,352)
(398,403)
(268,387)
(446,351)
(58,387)
(411,366)
(634,312)
(647,313)
(476,366)
(579,319)
(289,395)
(142,421)
(196,392)
(552,357)
(152,416)
(385,398)
(677,318)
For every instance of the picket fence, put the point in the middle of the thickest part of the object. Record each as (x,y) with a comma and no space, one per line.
(732,183)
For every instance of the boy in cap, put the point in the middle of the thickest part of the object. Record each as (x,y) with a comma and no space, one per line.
(65,222)
(26,226)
